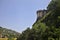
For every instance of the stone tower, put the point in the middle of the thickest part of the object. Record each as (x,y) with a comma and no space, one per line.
(41,13)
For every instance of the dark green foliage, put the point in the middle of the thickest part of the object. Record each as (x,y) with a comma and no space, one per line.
(52,5)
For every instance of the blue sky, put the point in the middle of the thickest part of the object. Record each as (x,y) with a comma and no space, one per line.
(20,14)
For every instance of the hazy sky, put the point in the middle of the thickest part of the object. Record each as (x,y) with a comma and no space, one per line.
(20,14)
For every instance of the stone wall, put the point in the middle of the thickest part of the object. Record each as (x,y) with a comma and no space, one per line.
(41,13)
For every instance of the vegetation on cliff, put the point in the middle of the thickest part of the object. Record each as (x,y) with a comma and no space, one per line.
(47,28)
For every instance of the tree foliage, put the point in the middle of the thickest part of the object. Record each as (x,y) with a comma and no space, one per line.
(47,28)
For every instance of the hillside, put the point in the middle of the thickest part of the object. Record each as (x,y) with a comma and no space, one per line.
(8,33)
(46,28)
